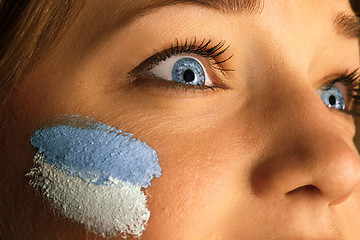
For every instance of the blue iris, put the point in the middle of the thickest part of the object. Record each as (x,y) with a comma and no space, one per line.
(188,71)
(333,98)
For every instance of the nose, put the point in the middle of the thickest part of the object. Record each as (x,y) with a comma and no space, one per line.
(308,154)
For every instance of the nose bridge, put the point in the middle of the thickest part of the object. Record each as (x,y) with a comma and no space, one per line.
(309,150)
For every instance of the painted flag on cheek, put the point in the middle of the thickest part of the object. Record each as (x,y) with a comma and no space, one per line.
(94,174)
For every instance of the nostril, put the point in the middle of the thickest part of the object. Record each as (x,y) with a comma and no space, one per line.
(309,190)
(340,199)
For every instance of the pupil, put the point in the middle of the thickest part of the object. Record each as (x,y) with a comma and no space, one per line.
(189,76)
(332,100)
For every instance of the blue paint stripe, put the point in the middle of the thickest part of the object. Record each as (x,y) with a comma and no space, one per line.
(97,152)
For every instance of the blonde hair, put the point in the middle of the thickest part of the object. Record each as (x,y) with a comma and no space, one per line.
(27,29)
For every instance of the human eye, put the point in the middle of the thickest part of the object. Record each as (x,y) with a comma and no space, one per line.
(343,93)
(183,69)
(192,65)
(332,98)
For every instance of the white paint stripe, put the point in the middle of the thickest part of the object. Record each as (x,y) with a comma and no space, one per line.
(107,210)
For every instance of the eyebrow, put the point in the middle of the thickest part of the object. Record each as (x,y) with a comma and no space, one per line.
(347,25)
(225,6)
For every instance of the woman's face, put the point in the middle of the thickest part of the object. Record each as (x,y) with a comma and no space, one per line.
(264,153)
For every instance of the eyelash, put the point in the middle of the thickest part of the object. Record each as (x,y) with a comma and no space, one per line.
(352,83)
(351,80)
(202,49)
(212,54)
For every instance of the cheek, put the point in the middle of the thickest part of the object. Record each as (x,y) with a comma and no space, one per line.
(199,179)
(94,174)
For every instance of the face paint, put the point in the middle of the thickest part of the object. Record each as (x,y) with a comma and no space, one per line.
(93,173)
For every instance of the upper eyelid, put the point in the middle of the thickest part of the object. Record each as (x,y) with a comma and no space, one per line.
(340,78)
(190,47)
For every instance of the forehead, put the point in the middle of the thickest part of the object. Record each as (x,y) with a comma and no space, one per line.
(290,24)
(121,13)
(128,7)
(109,15)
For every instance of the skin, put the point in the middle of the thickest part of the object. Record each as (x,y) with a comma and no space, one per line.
(264,159)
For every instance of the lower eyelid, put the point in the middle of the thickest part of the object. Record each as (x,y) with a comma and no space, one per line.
(155,85)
